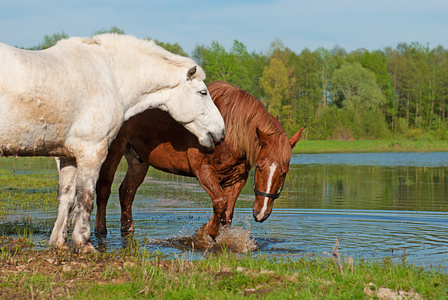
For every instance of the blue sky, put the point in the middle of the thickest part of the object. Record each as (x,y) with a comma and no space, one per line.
(299,24)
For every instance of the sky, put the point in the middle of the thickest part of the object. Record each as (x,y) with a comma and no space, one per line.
(299,24)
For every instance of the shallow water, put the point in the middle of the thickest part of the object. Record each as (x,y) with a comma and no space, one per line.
(376,205)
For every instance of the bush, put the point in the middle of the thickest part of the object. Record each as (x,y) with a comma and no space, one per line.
(440,134)
(415,133)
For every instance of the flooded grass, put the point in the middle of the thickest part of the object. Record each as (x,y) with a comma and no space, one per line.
(132,273)
(27,184)
(24,226)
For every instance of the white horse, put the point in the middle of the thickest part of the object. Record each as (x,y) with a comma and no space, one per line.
(70,101)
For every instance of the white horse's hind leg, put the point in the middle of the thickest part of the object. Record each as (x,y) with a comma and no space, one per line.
(66,198)
(86,177)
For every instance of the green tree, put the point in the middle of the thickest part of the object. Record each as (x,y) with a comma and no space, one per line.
(326,65)
(274,83)
(50,41)
(308,89)
(358,87)
(113,29)
(217,62)
(278,51)
(376,62)
(198,54)
(339,55)
(236,66)
(259,62)
(173,48)
(439,88)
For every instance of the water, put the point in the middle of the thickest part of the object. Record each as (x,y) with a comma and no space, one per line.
(376,205)
(392,159)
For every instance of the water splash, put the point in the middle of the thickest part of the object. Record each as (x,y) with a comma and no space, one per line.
(237,239)
(234,239)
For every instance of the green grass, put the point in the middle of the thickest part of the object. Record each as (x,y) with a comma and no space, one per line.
(143,275)
(332,146)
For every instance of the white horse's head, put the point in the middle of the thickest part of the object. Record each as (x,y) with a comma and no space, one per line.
(191,105)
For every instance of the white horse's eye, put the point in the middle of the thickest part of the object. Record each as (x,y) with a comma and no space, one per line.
(203,92)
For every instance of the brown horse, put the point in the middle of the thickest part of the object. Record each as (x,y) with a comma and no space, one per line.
(253,138)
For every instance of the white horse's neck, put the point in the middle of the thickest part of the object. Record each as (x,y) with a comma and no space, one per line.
(159,71)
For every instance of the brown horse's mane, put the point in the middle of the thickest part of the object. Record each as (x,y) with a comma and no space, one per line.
(242,114)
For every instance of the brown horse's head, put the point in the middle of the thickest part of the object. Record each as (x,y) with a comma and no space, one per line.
(271,169)
(258,137)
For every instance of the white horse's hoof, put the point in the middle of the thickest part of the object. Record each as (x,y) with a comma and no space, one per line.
(84,249)
(63,246)
(59,244)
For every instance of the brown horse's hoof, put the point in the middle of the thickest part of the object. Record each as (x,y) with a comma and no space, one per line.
(101,231)
(127,228)
(212,230)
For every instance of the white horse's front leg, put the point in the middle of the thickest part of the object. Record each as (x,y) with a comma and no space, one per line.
(66,197)
(87,175)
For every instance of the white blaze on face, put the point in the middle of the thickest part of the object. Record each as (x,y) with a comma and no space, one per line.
(272,169)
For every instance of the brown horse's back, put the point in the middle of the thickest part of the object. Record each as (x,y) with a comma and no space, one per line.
(166,145)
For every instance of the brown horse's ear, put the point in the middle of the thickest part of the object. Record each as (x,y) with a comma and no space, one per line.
(191,72)
(295,138)
(263,137)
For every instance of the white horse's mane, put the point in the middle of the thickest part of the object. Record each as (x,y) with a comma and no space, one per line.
(148,47)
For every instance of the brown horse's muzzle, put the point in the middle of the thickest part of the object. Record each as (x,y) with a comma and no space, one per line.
(266,201)
(260,216)
(262,208)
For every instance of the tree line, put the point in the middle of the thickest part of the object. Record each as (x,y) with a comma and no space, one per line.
(396,93)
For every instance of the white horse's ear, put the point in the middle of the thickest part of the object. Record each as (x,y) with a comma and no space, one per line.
(191,72)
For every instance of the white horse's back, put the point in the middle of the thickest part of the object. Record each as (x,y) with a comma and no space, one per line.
(43,94)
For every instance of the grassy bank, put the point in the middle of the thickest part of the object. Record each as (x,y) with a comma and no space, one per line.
(132,274)
(332,146)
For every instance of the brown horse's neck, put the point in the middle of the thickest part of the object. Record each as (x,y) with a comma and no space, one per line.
(242,114)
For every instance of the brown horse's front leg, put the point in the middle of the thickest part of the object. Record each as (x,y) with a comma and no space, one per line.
(134,177)
(219,208)
(207,178)
(232,192)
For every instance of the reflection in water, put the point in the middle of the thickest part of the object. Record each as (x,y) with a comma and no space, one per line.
(366,187)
